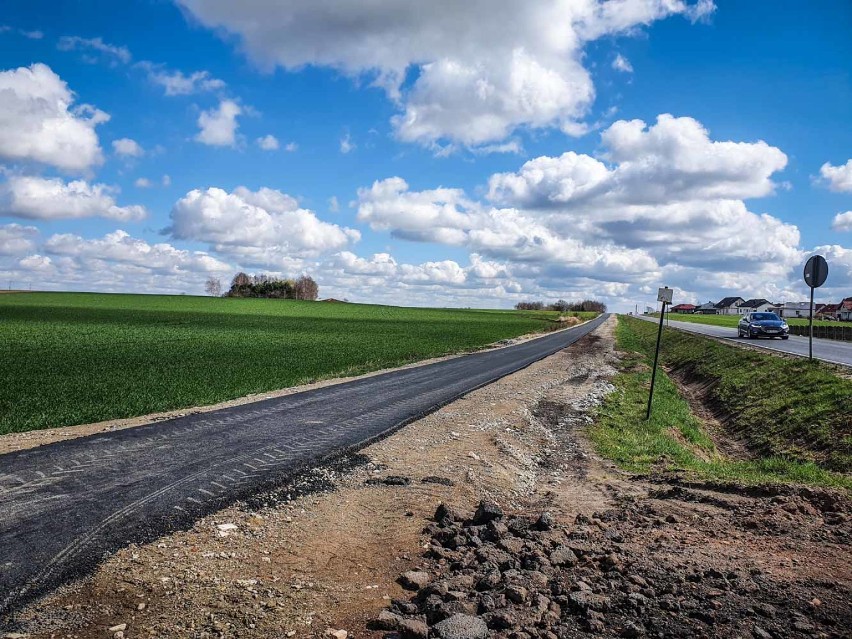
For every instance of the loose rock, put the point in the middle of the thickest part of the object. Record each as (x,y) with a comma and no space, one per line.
(414,579)
(461,627)
(487,511)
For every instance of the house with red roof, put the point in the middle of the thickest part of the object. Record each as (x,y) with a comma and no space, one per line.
(844,311)
(827,312)
(683,308)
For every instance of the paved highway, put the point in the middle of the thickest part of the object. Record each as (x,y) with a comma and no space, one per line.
(828,350)
(64,505)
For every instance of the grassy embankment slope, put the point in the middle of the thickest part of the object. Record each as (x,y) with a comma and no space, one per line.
(794,417)
(732,320)
(73,358)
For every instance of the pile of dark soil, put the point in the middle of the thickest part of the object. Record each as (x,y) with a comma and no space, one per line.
(502,576)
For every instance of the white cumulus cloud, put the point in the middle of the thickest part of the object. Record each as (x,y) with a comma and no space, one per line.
(17,240)
(664,201)
(40,198)
(175,82)
(838,178)
(40,123)
(620,63)
(268,143)
(256,227)
(115,262)
(842,221)
(482,68)
(120,247)
(36,263)
(218,127)
(127,147)
(673,160)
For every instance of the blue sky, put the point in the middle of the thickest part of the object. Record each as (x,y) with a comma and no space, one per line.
(471,155)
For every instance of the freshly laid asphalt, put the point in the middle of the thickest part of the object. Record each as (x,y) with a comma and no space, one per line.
(828,350)
(63,506)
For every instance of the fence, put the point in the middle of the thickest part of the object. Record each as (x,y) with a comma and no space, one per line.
(842,333)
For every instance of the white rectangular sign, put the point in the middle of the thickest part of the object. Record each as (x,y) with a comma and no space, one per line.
(665,295)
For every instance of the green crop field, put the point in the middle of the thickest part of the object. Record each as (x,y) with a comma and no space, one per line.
(731,320)
(74,358)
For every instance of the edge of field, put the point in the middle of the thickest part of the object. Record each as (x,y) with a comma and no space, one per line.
(11,442)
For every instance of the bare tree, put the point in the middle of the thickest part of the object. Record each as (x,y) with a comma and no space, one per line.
(529,306)
(240,280)
(213,286)
(239,285)
(306,288)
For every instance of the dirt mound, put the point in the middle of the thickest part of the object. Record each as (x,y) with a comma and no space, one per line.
(523,577)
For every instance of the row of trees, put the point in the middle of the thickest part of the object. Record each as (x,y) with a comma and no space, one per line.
(562,306)
(244,285)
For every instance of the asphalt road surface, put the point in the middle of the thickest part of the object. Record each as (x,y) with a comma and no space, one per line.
(828,350)
(64,505)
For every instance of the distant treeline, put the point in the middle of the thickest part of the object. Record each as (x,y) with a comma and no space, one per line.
(301,288)
(562,306)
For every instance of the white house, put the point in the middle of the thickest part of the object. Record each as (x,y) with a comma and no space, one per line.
(792,309)
(729,306)
(757,305)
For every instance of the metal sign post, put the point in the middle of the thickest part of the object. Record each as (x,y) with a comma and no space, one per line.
(664,295)
(816,272)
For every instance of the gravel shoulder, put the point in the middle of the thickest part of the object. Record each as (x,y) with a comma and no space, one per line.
(325,553)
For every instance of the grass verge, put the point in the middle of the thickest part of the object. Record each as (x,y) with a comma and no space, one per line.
(794,415)
(76,358)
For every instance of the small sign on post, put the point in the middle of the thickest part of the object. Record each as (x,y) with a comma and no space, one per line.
(816,272)
(664,296)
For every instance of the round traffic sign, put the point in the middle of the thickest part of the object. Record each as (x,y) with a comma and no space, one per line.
(816,270)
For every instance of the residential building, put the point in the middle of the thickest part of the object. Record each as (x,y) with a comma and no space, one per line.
(844,311)
(729,306)
(706,309)
(683,308)
(828,312)
(757,305)
(792,309)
